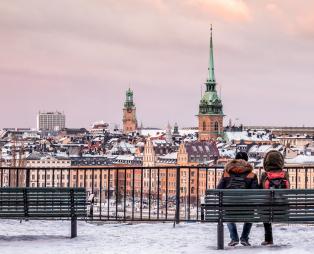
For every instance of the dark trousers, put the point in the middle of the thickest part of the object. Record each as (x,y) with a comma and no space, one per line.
(234,232)
(268,232)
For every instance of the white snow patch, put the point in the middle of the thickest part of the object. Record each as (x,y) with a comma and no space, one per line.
(51,237)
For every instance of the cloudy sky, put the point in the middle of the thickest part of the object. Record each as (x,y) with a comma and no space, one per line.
(79,56)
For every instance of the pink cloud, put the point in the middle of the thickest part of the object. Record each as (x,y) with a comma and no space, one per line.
(230,10)
(305,25)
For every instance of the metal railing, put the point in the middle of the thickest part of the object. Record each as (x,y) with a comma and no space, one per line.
(173,193)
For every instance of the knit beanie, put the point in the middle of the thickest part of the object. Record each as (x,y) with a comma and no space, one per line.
(242,156)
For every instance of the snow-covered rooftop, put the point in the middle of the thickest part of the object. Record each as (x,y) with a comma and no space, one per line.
(152,132)
(51,237)
(169,156)
(243,135)
(159,142)
(125,157)
(227,153)
(301,159)
(183,132)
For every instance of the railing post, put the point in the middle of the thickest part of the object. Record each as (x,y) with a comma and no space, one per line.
(178,195)
(17,178)
(73,216)
(202,213)
(296,178)
(27,178)
(25,203)
(220,226)
(306,178)
(272,194)
(215,184)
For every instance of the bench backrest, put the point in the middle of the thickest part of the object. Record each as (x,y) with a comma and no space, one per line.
(42,202)
(291,206)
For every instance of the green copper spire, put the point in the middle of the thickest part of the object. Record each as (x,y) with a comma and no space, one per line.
(129,99)
(210,103)
(211,70)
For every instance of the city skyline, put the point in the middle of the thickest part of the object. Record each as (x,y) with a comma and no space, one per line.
(83,64)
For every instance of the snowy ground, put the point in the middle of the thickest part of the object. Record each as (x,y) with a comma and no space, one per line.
(53,237)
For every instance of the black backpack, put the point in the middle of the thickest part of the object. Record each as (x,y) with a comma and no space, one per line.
(237,182)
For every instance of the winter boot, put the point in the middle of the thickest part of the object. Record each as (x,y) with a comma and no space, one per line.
(267,243)
(245,243)
(233,243)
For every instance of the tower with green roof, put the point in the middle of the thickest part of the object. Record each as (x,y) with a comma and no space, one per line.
(210,116)
(129,113)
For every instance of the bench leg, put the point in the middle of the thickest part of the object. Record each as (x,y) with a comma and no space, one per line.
(220,236)
(73,227)
(202,214)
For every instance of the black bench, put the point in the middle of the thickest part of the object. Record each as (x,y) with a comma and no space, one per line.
(44,203)
(279,206)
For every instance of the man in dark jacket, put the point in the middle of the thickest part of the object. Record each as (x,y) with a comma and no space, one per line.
(238,174)
(273,178)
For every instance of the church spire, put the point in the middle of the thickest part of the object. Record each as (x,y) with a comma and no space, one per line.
(129,99)
(211,70)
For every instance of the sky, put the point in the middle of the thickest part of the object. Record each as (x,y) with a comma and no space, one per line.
(80,56)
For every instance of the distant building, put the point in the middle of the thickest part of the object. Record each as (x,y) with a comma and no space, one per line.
(295,140)
(49,177)
(168,134)
(73,132)
(210,116)
(197,153)
(99,129)
(90,161)
(176,129)
(149,156)
(129,114)
(50,121)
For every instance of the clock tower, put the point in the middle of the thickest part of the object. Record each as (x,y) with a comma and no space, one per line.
(210,116)
(129,113)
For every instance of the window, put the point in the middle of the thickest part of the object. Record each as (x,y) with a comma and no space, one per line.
(204,126)
(216,126)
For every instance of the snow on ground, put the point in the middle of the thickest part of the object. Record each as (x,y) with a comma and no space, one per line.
(43,237)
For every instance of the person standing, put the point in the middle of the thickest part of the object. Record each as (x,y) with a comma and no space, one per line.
(273,178)
(238,174)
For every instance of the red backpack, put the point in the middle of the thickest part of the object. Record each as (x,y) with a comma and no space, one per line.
(276,180)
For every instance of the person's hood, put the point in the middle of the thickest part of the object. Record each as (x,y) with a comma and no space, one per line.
(273,160)
(238,167)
